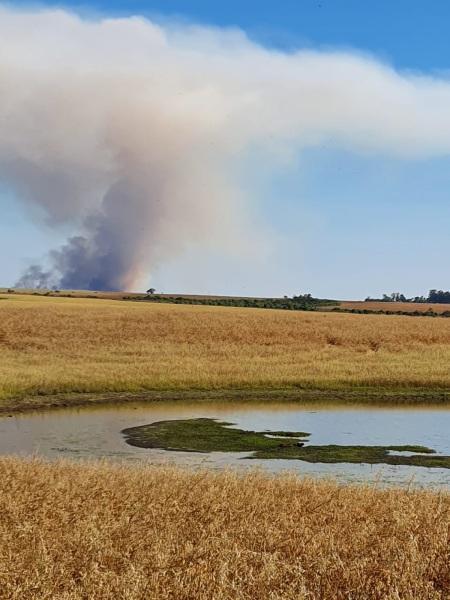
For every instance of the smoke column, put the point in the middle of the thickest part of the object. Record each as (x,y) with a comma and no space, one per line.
(132,133)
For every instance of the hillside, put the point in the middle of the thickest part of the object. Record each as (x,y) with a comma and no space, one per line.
(317,304)
(79,345)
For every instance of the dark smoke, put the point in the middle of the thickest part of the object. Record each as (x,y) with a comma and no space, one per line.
(36,278)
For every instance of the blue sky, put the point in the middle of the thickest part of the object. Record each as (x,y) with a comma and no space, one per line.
(349,224)
(411,34)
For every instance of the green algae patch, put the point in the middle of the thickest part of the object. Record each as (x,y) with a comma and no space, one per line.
(211,435)
(361,454)
(206,435)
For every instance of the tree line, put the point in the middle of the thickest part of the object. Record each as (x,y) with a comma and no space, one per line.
(300,302)
(434,296)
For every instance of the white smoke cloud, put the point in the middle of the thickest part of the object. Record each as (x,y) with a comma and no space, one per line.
(132,131)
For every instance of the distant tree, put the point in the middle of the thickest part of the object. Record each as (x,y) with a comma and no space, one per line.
(305,297)
(398,297)
(151,291)
(439,296)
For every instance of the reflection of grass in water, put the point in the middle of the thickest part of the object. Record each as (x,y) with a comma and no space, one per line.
(209,435)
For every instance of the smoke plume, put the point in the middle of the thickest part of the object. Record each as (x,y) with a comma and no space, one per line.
(132,133)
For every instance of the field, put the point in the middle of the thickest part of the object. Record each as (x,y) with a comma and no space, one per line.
(76,531)
(73,531)
(109,295)
(68,346)
(372,305)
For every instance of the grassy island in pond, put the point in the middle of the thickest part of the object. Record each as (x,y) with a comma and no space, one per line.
(206,435)
(210,435)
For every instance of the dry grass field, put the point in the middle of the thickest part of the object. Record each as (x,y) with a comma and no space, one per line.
(68,345)
(75,531)
(96,530)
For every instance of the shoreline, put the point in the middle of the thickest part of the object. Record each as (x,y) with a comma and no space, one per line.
(368,396)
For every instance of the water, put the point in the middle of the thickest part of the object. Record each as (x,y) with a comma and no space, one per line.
(95,432)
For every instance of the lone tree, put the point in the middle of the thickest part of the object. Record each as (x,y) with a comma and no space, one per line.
(151,291)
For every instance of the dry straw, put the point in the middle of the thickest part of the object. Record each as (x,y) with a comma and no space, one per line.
(96,531)
(83,345)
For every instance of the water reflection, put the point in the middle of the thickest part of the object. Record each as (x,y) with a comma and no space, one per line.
(94,432)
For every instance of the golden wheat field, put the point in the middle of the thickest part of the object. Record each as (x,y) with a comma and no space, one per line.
(83,531)
(53,345)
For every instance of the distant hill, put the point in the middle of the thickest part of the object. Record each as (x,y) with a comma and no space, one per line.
(300,302)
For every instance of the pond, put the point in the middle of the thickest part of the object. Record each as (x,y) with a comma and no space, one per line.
(96,432)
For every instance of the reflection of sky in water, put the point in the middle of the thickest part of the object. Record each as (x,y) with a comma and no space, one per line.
(95,432)
(360,427)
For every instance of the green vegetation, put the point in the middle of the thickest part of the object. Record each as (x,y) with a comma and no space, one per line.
(210,435)
(301,302)
(204,435)
(405,313)
(434,297)
(359,454)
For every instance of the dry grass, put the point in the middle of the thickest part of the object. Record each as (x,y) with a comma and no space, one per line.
(51,345)
(72,532)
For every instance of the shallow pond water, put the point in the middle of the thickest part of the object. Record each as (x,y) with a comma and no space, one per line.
(95,432)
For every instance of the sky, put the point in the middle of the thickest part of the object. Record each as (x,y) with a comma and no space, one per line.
(333,219)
